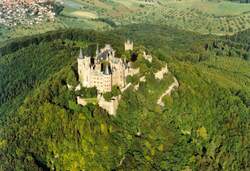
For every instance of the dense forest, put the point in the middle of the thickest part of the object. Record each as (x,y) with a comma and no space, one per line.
(203,126)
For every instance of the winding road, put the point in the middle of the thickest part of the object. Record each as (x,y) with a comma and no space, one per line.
(168,92)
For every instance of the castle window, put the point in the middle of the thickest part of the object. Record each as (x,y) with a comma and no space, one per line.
(92,61)
(134,57)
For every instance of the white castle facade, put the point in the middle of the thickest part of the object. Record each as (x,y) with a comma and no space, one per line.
(104,70)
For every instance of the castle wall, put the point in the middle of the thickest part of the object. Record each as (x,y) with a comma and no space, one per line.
(84,71)
(110,106)
(147,57)
(160,74)
(132,71)
(102,82)
(81,69)
(118,79)
(118,75)
(81,101)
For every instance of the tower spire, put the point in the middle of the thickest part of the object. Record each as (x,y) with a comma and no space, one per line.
(80,54)
(97,50)
(106,71)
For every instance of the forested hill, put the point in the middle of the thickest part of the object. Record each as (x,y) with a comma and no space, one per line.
(27,61)
(203,126)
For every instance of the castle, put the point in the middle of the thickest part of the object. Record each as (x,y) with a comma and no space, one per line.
(104,70)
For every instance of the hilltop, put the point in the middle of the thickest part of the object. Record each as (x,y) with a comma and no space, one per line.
(197,128)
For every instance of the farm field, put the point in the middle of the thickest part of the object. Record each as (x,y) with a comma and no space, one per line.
(224,8)
(219,18)
(205,17)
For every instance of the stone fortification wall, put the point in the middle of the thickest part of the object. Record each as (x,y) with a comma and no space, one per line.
(110,106)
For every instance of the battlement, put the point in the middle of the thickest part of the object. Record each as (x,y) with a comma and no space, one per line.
(129,45)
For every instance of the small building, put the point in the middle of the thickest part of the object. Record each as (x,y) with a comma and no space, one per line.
(128,45)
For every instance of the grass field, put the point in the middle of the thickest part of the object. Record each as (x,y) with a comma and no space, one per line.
(20,31)
(3,32)
(84,14)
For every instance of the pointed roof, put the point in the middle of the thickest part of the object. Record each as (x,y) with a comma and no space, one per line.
(129,41)
(106,71)
(80,54)
(97,49)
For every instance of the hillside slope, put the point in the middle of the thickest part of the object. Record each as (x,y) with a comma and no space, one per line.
(204,124)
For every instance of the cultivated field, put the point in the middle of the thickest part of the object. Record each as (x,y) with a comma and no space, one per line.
(206,17)
(198,15)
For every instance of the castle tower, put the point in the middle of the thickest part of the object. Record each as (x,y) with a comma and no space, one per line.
(97,50)
(84,69)
(128,45)
(80,62)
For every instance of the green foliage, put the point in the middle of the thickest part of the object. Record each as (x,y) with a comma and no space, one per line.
(236,46)
(114,92)
(24,69)
(72,78)
(87,92)
(203,126)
